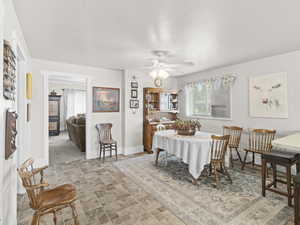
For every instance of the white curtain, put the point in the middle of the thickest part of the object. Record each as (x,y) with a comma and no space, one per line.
(74,102)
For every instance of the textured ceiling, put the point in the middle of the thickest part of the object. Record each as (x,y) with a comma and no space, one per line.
(121,34)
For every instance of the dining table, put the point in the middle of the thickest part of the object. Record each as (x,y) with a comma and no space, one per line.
(290,142)
(192,150)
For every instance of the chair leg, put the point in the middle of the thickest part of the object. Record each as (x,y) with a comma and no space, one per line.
(289,184)
(244,163)
(35,219)
(100,148)
(104,150)
(216,176)
(227,174)
(298,166)
(274,174)
(253,159)
(110,152)
(116,149)
(54,218)
(263,177)
(157,156)
(166,158)
(74,213)
(231,158)
(238,154)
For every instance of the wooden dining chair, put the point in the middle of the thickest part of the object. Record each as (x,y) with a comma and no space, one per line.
(217,157)
(234,141)
(260,142)
(106,142)
(46,201)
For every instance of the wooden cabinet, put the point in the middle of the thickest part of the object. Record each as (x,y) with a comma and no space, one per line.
(54,115)
(160,107)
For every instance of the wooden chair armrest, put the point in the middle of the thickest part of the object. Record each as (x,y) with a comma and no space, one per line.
(38,170)
(36,186)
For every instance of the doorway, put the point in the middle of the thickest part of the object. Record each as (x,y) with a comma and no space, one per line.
(66,117)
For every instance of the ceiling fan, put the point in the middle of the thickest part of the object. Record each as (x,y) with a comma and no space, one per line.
(165,63)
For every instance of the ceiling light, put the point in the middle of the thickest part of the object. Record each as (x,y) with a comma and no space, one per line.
(159,73)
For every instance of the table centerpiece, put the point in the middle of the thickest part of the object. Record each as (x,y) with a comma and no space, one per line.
(187,127)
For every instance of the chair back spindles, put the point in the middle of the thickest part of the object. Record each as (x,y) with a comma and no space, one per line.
(260,140)
(235,135)
(219,147)
(26,172)
(104,131)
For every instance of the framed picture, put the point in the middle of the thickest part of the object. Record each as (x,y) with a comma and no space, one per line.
(268,96)
(134,84)
(106,99)
(134,104)
(134,93)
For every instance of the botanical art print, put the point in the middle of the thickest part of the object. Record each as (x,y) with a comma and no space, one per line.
(106,99)
(268,96)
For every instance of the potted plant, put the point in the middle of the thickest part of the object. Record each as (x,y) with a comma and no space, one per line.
(187,127)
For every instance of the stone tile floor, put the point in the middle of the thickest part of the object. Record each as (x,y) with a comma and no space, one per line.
(105,196)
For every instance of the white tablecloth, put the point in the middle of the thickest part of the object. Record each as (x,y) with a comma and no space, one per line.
(193,150)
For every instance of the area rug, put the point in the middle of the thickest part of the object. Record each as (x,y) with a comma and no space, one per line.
(239,203)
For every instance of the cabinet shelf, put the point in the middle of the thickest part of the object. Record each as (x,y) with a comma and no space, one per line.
(159,105)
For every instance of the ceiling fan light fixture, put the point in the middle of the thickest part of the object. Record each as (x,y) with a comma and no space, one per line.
(159,73)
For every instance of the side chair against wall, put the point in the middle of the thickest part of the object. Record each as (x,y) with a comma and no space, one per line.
(106,143)
(260,142)
(217,154)
(46,201)
(234,141)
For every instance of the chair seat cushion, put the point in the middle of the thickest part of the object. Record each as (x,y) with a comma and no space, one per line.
(58,196)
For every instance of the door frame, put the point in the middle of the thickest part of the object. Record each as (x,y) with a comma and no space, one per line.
(46,75)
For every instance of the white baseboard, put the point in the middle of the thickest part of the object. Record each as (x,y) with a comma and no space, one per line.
(133,150)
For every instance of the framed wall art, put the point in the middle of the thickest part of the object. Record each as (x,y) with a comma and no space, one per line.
(268,96)
(9,72)
(134,93)
(134,84)
(106,99)
(134,104)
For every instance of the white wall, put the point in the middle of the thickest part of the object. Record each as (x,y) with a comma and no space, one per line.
(98,77)
(11,31)
(133,122)
(240,111)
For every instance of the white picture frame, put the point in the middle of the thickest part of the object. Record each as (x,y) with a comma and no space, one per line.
(268,96)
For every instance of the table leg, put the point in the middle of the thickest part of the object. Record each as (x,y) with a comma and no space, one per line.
(263,177)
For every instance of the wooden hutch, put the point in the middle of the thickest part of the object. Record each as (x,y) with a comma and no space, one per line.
(160,107)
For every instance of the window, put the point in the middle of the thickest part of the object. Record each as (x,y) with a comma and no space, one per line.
(74,102)
(208,100)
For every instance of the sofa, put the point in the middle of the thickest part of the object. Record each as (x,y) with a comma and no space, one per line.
(76,130)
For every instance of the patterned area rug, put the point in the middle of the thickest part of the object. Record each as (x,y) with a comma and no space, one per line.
(238,204)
